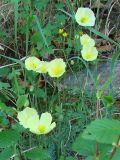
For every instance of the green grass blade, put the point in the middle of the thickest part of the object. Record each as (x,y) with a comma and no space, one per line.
(40,30)
(102,35)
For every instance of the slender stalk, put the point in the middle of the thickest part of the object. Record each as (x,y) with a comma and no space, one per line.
(115,148)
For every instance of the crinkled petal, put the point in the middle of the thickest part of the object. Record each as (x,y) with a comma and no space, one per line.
(46,119)
(51,127)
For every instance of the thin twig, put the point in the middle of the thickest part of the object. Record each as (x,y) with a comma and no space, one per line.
(13,156)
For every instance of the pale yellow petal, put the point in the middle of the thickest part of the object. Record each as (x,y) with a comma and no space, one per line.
(51,127)
(56,67)
(43,67)
(87,41)
(85,17)
(46,119)
(89,53)
(32,63)
(25,115)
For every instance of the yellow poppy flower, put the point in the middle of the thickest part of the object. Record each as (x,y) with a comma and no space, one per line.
(56,67)
(85,17)
(43,67)
(89,53)
(25,115)
(87,41)
(65,34)
(32,63)
(61,30)
(42,126)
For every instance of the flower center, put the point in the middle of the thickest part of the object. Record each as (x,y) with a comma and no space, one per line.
(89,55)
(33,65)
(83,19)
(41,128)
(57,70)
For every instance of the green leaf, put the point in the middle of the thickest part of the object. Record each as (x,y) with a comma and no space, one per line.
(4,85)
(40,93)
(103,131)
(4,72)
(8,138)
(117,154)
(6,109)
(40,30)
(87,148)
(102,35)
(38,154)
(84,147)
(22,101)
(62,158)
(6,153)
(109,100)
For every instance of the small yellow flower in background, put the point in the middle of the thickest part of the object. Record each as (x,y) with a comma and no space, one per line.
(65,34)
(43,67)
(87,41)
(89,53)
(85,17)
(72,62)
(42,126)
(56,67)
(77,36)
(80,33)
(25,115)
(61,30)
(32,63)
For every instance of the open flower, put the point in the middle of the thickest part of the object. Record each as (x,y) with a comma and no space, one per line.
(65,34)
(89,53)
(25,115)
(61,30)
(43,67)
(56,67)
(29,118)
(87,41)
(32,63)
(43,125)
(85,17)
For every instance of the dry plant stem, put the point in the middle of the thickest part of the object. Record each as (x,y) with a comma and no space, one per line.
(115,148)
(107,20)
(97,151)
(98,108)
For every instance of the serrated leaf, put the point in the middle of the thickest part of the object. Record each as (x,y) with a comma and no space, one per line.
(8,138)
(38,154)
(84,147)
(103,131)
(87,148)
(6,153)
(21,101)
(39,93)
